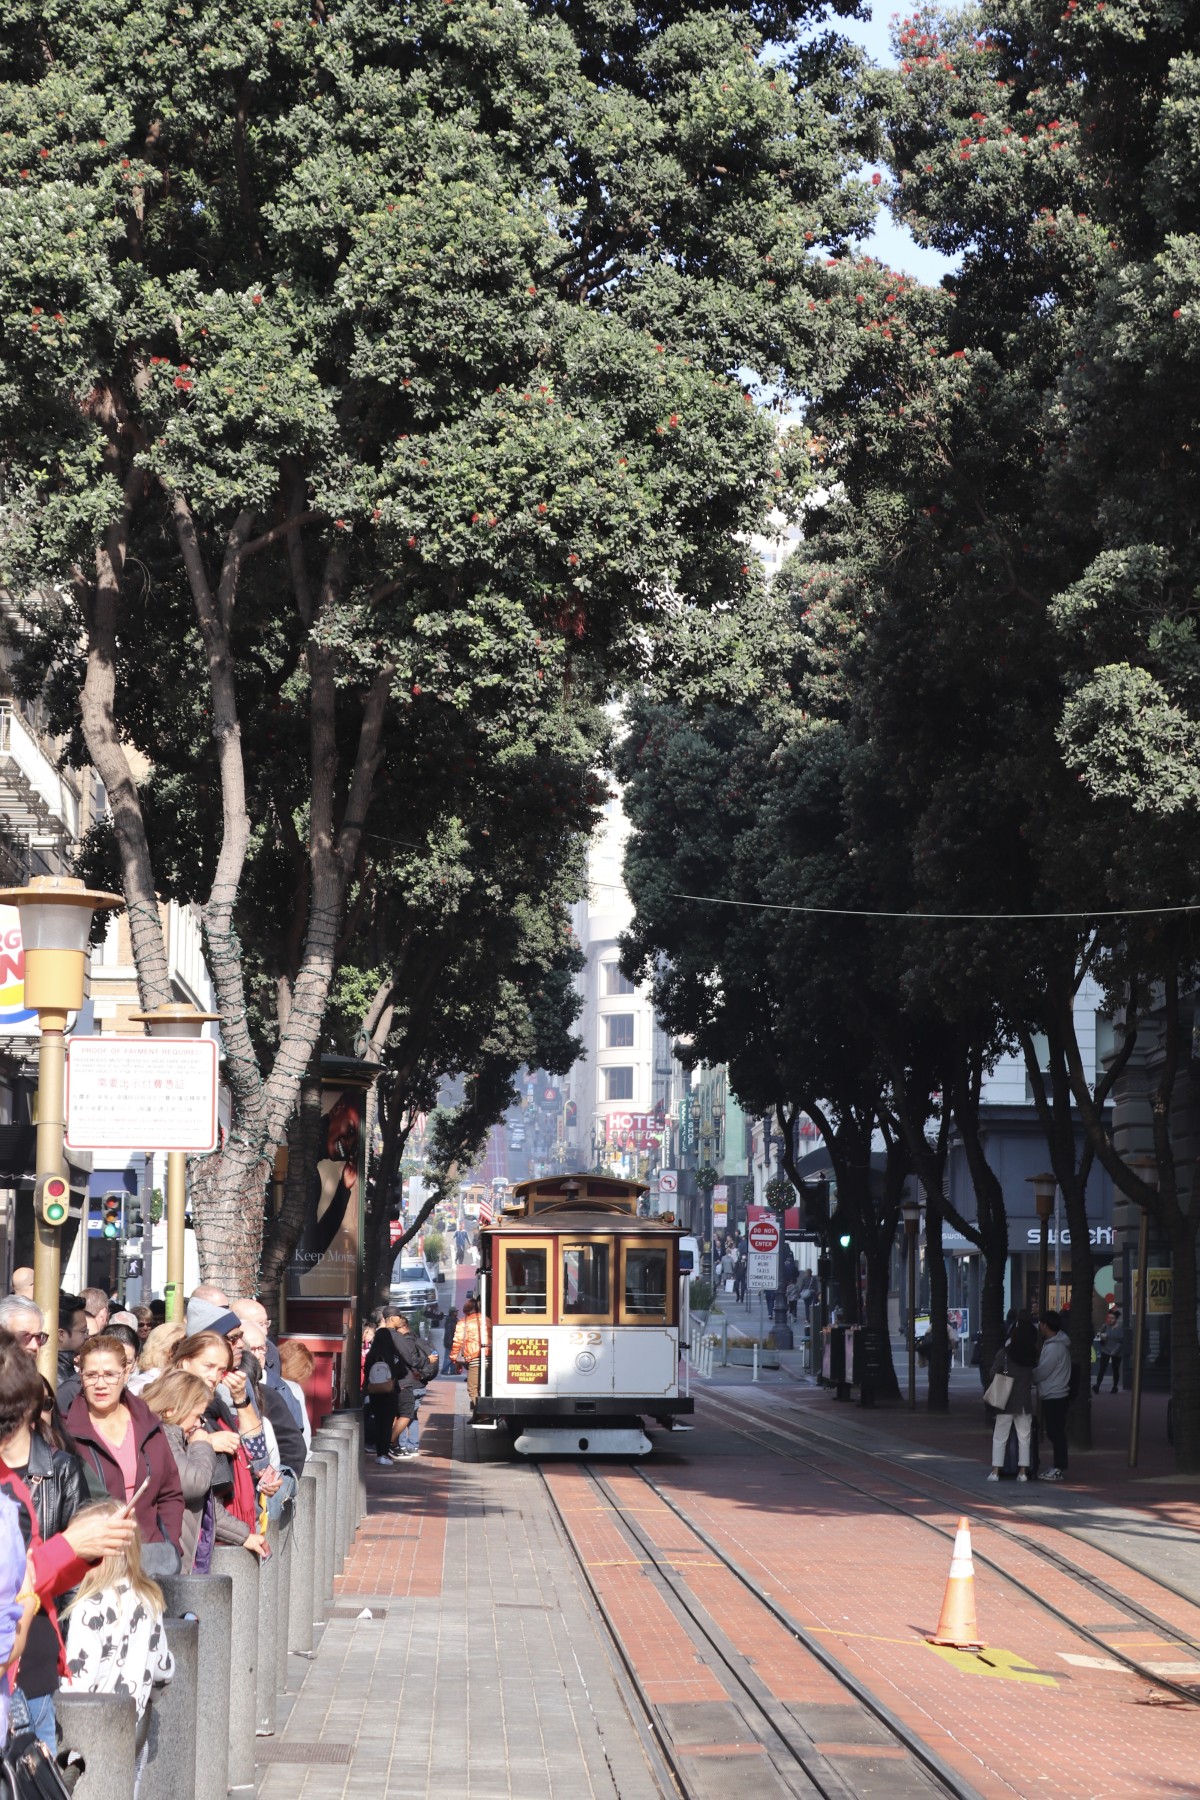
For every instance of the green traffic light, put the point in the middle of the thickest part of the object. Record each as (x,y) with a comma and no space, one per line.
(845,1240)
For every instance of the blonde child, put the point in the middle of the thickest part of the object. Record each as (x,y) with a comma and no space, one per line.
(116,1643)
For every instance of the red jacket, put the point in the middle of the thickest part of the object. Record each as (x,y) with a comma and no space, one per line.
(160,1509)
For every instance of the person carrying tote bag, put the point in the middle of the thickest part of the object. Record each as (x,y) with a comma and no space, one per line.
(1014,1366)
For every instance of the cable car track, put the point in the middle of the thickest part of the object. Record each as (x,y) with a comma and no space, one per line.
(1112,1595)
(802,1767)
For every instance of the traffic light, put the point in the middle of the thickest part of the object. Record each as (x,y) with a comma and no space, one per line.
(845,1240)
(110,1226)
(815,1201)
(572,1115)
(52,1198)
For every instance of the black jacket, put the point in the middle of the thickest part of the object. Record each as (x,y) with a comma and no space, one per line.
(398,1349)
(56,1481)
(288,1435)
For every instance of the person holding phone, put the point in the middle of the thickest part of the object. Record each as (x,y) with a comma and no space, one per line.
(125,1453)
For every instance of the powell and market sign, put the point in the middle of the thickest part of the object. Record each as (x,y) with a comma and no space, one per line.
(1023,1236)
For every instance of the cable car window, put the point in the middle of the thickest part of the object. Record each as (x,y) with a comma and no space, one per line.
(646,1282)
(585,1279)
(525,1281)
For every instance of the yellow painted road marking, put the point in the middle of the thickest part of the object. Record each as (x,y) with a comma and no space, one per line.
(1005,1665)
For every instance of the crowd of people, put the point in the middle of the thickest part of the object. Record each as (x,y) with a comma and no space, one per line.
(397,1366)
(157,1443)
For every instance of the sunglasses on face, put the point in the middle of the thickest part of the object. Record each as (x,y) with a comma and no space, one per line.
(33,1337)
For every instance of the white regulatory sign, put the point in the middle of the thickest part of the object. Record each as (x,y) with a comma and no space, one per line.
(143,1093)
(762,1271)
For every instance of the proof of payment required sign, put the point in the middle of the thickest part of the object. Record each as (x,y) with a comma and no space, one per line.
(147,1093)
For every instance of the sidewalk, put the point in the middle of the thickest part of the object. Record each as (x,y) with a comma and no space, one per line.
(481,1672)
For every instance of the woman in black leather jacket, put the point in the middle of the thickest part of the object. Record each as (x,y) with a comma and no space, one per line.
(56,1484)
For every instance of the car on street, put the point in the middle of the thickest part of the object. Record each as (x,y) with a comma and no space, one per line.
(413,1287)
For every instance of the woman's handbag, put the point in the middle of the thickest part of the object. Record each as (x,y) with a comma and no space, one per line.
(998,1391)
(380,1379)
(27,1769)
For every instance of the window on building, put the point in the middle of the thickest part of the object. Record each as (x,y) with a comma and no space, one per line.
(585,1278)
(618,1031)
(618,1084)
(615,982)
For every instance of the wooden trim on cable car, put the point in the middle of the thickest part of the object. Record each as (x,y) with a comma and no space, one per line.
(507,1247)
(586,1241)
(670,1297)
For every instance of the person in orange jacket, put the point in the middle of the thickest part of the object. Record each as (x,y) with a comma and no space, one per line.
(470,1340)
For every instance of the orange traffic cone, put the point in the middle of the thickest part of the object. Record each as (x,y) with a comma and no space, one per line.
(957,1626)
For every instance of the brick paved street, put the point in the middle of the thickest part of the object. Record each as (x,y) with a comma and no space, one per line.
(486,1671)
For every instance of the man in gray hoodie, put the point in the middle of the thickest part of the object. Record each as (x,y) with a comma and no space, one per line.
(1053,1377)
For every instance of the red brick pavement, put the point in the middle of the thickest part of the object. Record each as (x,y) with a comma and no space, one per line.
(871,1581)
(401,1544)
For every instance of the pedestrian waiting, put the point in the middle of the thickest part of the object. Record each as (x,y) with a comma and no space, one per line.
(1010,1392)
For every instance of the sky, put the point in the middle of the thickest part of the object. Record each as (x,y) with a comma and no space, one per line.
(890,242)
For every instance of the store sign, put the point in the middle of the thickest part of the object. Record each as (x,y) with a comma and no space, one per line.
(632,1131)
(1098,1236)
(14,1015)
(1160,1294)
(528,1361)
(155,1093)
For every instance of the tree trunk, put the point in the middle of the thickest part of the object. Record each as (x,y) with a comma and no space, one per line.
(1185,1346)
(879,1257)
(303,1140)
(1079,1319)
(991,1314)
(939,1300)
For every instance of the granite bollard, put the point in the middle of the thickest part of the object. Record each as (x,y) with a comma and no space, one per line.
(303,1569)
(327,1458)
(208,1599)
(103,1729)
(336,1444)
(268,1629)
(241,1685)
(170,1772)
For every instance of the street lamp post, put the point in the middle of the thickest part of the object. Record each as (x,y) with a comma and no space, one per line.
(175,1020)
(911,1210)
(1043,1199)
(56,914)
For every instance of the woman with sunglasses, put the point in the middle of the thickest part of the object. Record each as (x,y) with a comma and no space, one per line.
(124,1449)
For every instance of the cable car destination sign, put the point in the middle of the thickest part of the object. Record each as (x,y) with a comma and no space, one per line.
(152,1093)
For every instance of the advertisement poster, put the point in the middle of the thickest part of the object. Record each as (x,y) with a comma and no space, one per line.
(326,1261)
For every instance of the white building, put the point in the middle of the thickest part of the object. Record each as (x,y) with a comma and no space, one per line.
(622,1088)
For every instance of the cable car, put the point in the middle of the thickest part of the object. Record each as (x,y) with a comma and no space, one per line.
(583,1301)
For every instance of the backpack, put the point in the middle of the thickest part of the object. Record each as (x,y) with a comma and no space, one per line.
(380,1379)
(428,1363)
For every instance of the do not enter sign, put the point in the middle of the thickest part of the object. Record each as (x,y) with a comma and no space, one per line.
(764,1236)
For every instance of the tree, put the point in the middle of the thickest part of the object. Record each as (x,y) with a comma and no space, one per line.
(363,362)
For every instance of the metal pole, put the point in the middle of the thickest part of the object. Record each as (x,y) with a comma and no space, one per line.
(176,1210)
(912,1318)
(1139,1343)
(51,1124)
(1045,1224)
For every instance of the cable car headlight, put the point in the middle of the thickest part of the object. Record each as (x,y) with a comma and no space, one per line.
(585,1362)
